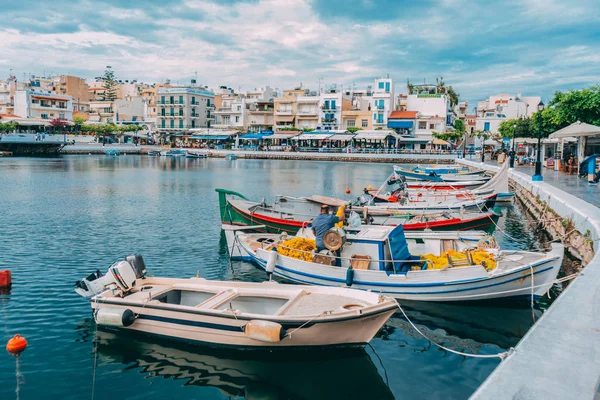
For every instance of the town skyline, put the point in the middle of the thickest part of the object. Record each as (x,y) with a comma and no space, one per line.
(525,47)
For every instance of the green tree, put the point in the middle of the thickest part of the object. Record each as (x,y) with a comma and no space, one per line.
(78,122)
(6,127)
(459,125)
(109,84)
(449,136)
(354,129)
(575,105)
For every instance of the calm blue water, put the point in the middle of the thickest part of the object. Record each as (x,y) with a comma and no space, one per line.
(65,217)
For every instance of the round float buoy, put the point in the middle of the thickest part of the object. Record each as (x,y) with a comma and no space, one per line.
(370,187)
(348,191)
(16,345)
(5,278)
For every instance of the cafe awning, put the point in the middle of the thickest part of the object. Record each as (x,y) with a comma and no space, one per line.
(577,129)
(211,137)
(441,142)
(254,136)
(313,136)
(282,135)
(372,135)
(341,137)
(408,124)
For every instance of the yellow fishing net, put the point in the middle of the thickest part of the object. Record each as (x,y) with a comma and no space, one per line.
(479,257)
(300,248)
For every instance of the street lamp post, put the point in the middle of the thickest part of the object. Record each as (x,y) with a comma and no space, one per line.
(512,152)
(538,163)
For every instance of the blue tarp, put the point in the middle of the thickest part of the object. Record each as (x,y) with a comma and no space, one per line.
(212,137)
(400,124)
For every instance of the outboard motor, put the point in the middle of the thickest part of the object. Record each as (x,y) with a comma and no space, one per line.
(122,275)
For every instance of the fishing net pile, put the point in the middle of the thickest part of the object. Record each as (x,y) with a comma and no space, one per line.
(300,248)
(478,257)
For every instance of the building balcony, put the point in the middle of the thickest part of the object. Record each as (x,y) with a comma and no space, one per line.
(48,106)
(330,108)
(329,120)
(283,112)
(224,110)
(261,111)
(307,113)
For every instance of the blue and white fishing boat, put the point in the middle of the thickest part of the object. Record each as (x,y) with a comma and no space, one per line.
(175,153)
(112,152)
(154,153)
(432,176)
(385,260)
(445,169)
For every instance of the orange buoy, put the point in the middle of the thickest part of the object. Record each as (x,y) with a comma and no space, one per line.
(348,191)
(5,278)
(370,187)
(16,345)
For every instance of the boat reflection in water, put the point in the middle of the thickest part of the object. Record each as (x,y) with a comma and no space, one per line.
(253,375)
(467,327)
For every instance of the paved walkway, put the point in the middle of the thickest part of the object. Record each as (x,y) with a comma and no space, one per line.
(578,187)
(558,357)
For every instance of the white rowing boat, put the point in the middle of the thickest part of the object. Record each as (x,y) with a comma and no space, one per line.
(233,314)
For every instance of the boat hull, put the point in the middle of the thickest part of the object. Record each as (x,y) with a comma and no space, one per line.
(228,332)
(449,285)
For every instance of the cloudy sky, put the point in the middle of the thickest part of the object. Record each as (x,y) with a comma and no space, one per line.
(481,48)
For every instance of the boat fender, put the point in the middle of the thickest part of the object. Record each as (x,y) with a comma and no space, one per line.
(349,276)
(264,331)
(111,316)
(272,261)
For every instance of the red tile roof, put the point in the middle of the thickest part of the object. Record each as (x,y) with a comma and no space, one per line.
(403,115)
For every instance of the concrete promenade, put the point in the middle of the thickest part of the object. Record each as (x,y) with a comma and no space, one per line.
(559,358)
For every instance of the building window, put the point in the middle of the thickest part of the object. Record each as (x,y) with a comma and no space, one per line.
(387,87)
(239,108)
(365,123)
(162,123)
(193,100)
(180,99)
(172,111)
(431,126)
(44,116)
(381,85)
(61,116)
(351,123)
(180,123)
(422,124)
(107,110)
(172,123)
(207,102)
(486,126)
(172,99)
(237,118)
(193,123)
(162,100)
(181,112)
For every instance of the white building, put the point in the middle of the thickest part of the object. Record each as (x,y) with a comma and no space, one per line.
(102,111)
(384,102)
(130,109)
(492,111)
(330,110)
(308,112)
(234,107)
(180,109)
(434,111)
(41,104)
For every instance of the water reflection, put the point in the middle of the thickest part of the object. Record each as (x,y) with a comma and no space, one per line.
(254,375)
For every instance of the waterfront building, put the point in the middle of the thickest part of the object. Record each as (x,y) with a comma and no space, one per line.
(259,116)
(492,111)
(102,111)
(461,110)
(130,109)
(285,109)
(330,110)
(7,105)
(308,112)
(356,118)
(29,103)
(75,87)
(182,108)
(232,109)
(435,113)
(384,102)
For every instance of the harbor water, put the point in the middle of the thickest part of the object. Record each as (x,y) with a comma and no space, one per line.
(63,218)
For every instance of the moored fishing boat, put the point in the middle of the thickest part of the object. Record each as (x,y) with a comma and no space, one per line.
(175,153)
(445,169)
(289,214)
(154,153)
(112,152)
(450,266)
(432,176)
(191,154)
(265,315)
(397,188)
